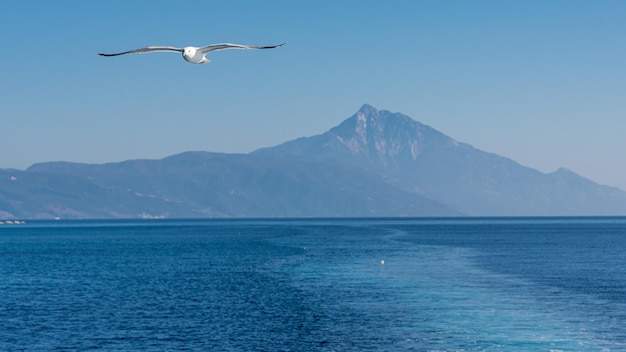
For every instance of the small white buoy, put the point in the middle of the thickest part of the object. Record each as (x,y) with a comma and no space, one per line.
(382,262)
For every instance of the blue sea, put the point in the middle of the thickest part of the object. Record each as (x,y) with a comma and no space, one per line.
(458,284)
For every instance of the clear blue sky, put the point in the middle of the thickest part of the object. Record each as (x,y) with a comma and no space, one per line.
(541,82)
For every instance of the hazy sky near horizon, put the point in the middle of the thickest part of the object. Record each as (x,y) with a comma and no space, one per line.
(540,82)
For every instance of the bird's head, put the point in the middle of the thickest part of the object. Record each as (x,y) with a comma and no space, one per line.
(189,52)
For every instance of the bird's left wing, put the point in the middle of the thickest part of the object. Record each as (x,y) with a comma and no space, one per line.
(148,49)
(224,46)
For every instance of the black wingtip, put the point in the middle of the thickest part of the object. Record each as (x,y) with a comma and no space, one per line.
(274,46)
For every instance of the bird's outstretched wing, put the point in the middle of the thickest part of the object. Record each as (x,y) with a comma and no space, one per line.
(224,46)
(148,49)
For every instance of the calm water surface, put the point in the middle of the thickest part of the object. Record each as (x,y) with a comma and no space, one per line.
(548,284)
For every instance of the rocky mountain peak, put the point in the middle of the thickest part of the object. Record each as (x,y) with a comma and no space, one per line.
(384,135)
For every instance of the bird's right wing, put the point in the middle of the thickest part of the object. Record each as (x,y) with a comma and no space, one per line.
(148,49)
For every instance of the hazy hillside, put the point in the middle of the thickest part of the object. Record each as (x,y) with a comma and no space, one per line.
(375,163)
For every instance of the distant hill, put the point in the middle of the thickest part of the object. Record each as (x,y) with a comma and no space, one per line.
(375,163)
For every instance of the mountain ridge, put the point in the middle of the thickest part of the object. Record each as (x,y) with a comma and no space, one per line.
(374,163)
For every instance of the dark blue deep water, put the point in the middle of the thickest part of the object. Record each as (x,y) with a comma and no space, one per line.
(546,284)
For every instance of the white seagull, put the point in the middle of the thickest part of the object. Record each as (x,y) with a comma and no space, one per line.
(192,54)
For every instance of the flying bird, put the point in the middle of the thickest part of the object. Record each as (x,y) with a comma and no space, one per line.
(192,54)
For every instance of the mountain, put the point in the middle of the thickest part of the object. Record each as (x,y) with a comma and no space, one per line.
(201,184)
(375,163)
(421,160)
